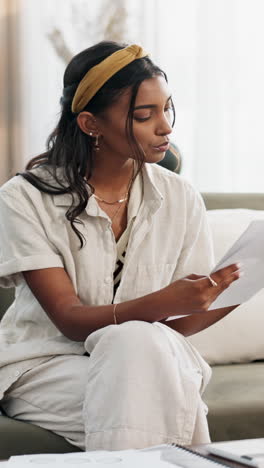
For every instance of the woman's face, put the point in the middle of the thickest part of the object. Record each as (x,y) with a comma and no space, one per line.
(152,118)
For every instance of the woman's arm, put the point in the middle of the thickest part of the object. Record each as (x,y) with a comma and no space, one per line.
(192,324)
(54,290)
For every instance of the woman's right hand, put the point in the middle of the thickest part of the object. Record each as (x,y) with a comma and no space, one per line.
(195,293)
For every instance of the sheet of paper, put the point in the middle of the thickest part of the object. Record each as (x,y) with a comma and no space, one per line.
(147,458)
(248,250)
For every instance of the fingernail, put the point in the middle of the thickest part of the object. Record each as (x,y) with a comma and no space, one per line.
(239,265)
(241,273)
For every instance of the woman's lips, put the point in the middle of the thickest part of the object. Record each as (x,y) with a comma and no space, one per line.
(162,148)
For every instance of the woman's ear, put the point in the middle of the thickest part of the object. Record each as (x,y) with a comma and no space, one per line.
(87,123)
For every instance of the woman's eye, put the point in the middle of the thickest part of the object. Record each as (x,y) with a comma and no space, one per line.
(142,118)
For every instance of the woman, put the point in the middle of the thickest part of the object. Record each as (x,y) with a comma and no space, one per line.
(103,246)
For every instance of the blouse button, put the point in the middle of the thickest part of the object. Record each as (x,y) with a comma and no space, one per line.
(108,279)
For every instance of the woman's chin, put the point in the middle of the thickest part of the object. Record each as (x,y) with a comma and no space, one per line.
(155,157)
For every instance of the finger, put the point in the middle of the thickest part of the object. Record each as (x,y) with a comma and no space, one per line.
(221,275)
(212,281)
(225,282)
(232,277)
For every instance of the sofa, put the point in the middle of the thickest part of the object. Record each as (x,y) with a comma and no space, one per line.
(233,347)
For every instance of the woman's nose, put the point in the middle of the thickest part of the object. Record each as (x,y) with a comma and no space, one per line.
(164,126)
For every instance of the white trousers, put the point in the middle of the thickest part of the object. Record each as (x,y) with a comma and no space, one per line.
(140,386)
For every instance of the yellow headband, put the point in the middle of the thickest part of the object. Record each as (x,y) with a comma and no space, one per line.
(97,76)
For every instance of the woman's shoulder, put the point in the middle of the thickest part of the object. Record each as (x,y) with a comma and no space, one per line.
(14,186)
(19,185)
(176,189)
(166,179)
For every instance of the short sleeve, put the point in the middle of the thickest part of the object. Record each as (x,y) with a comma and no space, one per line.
(24,244)
(197,254)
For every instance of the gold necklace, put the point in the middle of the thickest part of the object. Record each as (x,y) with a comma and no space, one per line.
(118,209)
(121,200)
(115,214)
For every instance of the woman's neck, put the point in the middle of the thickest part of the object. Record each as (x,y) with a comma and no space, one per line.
(112,179)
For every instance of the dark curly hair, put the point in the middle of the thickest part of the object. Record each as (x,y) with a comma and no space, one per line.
(71,150)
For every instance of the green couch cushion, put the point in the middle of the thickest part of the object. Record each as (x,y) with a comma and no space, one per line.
(235,398)
(6,298)
(19,438)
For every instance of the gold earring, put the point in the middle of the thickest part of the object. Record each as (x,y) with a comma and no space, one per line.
(96,144)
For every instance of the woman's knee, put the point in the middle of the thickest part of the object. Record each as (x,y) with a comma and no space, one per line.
(134,337)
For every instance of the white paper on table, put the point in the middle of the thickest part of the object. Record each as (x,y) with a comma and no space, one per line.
(249,251)
(146,458)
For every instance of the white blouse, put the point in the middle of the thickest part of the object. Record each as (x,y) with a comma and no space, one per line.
(169,239)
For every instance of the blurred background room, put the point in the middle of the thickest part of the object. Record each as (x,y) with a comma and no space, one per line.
(211,51)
